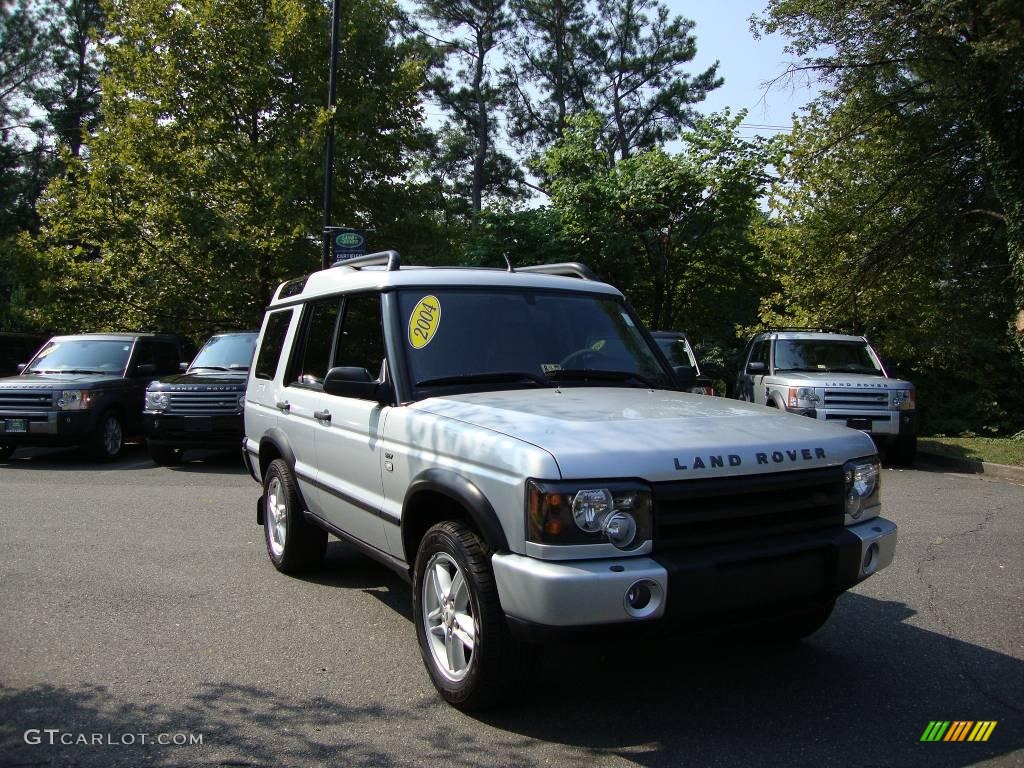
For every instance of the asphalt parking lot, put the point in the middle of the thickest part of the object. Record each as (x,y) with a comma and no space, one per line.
(138,600)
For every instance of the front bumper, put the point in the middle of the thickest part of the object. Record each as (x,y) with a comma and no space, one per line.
(43,428)
(217,430)
(882,423)
(699,586)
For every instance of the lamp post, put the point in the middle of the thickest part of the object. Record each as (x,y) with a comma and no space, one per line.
(329,149)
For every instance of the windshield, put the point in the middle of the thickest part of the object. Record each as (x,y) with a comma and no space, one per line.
(677,351)
(825,355)
(232,352)
(81,356)
(501,339)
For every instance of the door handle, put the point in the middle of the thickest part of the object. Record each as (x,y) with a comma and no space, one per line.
(322,415)
(284,406)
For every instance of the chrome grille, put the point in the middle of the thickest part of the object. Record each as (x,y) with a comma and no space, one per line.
(203,403)
(693,513)
(18,400)
(878,398)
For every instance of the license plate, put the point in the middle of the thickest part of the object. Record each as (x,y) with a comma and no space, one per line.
(16,425)
(862,424)
(199,424)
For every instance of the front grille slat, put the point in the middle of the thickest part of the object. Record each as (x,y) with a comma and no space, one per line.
(723,510)
(202,403)
(20,400)
(868,399)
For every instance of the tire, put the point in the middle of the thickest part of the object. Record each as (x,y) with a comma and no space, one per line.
(794,627)
(107,441)
(165,455)
(903,450)
(293,544)
(6,451)
(448,610)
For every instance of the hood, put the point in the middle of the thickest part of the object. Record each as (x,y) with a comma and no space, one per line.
(198,382)
(599,432)
(57,380)
(840,380)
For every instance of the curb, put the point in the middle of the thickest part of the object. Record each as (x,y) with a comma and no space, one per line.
(973,466)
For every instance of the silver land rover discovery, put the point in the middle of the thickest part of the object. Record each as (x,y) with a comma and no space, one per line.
(835,378)
(514,444)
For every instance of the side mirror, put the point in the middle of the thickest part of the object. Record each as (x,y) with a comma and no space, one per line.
(145,369)
(757,368)
(21,367)
(350,381)
(686,376)
(182,367)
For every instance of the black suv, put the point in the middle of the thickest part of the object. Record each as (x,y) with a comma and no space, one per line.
(202,407)
(86,389)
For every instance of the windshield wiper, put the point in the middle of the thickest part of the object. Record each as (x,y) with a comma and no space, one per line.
(209,368)
(496,377)
(802,370)
(71,370)
(598,375)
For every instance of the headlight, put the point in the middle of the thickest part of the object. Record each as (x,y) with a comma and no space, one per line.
(74,400)
(802,397)
(613,512)
(863,489)
(702,390)
(904,399)
(157,400)
(241,401)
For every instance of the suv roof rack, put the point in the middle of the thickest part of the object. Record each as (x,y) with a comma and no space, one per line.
(565,269)
(390,259)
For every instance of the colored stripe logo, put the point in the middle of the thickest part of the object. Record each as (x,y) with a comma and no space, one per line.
(959,730)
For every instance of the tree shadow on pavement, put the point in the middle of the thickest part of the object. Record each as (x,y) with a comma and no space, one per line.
(859,693)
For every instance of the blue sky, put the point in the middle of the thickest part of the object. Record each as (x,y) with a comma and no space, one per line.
(723,33)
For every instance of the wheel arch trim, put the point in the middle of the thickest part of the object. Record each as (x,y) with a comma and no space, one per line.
(466,494)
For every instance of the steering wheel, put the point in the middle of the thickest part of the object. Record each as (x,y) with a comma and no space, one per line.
(576,359)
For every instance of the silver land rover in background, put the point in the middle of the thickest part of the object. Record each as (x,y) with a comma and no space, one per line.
(831,377)
(514,445)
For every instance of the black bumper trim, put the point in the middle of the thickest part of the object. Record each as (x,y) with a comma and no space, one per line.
(760,577)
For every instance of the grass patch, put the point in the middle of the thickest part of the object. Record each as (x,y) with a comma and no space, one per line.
(998,450)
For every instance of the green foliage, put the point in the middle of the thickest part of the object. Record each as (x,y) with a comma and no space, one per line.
(671,229)
(200,190)
(890,217)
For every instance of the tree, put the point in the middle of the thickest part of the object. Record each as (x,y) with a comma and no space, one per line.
(898,209)
(674,229)
(547,79)
(641,89)
(71,94)
(199,191)
(472,31)
(961,62)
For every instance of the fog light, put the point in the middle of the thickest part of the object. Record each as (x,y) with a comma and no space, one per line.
(638,596)
(643,599)
(870,560)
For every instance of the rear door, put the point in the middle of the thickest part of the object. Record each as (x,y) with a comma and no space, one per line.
(262,405)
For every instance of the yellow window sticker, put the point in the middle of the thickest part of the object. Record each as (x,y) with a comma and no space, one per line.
(424,321)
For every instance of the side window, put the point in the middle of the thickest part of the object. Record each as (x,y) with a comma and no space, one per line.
(273,343)
(362,335)
(312,352)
